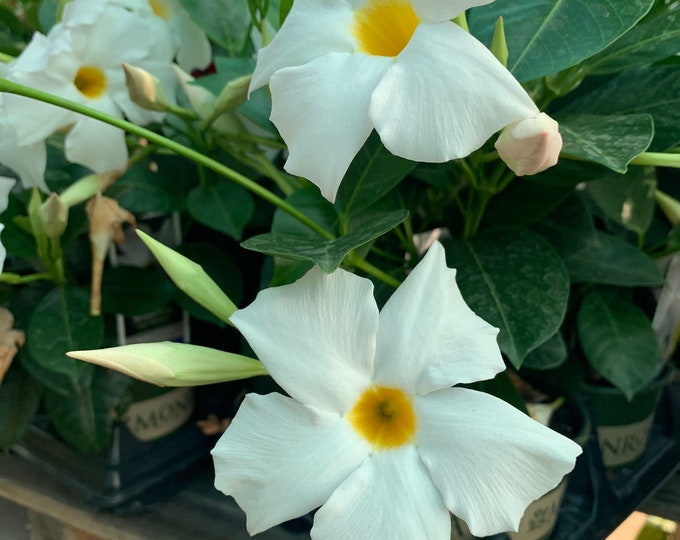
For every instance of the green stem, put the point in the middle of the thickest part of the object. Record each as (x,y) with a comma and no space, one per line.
(365,266)
(16,279)
(179,149)
(657,159)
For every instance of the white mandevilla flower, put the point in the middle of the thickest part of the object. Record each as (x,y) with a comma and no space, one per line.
(373,432)
(81,60)
(339,68)
(531,145)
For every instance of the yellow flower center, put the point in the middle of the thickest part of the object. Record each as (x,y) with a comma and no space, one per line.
(384,27)
(160,9)
(384,417)
(91,81)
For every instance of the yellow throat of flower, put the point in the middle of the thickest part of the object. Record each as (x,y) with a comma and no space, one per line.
(90,81)
(384,27)
(161,9)
(384,417)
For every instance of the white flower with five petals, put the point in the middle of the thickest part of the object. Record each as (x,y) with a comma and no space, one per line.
(375,431)
(338,69)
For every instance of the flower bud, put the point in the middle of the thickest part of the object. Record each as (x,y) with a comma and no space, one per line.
(499,46)
(670,206)
(10,341)
(531,145)
(145,90)
(169,363)
(54,216)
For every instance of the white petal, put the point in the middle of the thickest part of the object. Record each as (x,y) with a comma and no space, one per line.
(3,251)
(488,459)
(316,337)
(390,496)
(312,29)
(321,110)
(280,459)
(445,96)
(428,338)
(27,161)
(97,145)
(439,11)
(6,185)
(194,49)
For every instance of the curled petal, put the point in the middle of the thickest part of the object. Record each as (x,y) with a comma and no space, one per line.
(531,145)
(316,337)
(390,496)
(428,337)
(312,29)
(321,110)
(445,95)
(488,459)
(280,459)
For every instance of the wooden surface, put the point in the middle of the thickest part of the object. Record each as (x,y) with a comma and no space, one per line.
(197,512)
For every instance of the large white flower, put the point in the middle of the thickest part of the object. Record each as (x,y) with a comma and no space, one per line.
(339,68)
(81,60)
(373,432)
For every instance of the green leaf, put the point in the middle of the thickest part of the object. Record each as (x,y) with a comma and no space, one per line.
(627,199)
(311,203)
(612,141)
(228,69)
(158,186)
(223,206)
(548,36)
(618,341)
(85,418)
(549,355)
(328,254)
(646,43)
(652,90)
(373,173)
(513,279)
(592,256)
(130,290)
(61,322)
(19,399)
(226,22)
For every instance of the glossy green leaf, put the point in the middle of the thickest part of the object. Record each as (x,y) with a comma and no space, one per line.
(373,173)
(612,141)
(130,290)
(627,199)
(648,42)
(19,399)
(549,355)
(85,418)
(226,22)
(618,341)
(545,36)
(513,279)
(592,256)
(652,90)
(223,206)
(311,203)
(61,322)
(328,254)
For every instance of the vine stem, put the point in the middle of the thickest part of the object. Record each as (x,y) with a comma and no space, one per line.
(658,159)
(160,140)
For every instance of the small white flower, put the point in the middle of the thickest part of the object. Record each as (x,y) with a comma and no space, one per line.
(338,69)
(6,185)
(373,432)
(531,145)
(81,60)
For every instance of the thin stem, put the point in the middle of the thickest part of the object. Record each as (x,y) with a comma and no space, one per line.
(657,159)
(180,149)
(365,266)
(16,279)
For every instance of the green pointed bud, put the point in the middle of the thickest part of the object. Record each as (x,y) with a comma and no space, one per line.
(669,206)
(145,90)
(54,216)
(87,187)
(191,279)
(234,94)
(168,363)
(461,21)
(499,46)
(202,100)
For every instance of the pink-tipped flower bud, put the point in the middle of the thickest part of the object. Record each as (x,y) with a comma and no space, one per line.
(531,145)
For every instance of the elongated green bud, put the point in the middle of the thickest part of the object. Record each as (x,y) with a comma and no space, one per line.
(669,206)
(54,215)
(167,363)
(191,279)
(499,46)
